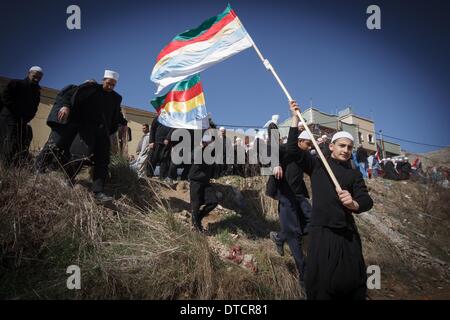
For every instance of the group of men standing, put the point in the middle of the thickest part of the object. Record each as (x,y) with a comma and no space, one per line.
(84,117)
(82,120)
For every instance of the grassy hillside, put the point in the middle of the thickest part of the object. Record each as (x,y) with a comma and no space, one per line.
(142,245)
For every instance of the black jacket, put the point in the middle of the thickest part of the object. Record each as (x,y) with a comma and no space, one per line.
(21,98)
(94,106)
(328,210)
(159,132)
(361,155)
(390,172)
(201,172)
(292,183)
(63,98)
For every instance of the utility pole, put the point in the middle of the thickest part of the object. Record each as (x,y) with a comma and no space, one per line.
(382,144)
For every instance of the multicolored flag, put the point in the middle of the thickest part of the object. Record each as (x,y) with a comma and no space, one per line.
(195,50)
(183,106)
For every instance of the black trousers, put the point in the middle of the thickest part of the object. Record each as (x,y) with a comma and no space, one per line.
(15,138)
(161,156)
(292,221)
(57,147)
(202,194)
(93,145)
(336,267)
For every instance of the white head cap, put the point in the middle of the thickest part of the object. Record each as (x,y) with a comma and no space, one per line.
(109,74)
(37,69)
(206,138)
(324,136)
(275,118)
(304,136)
(342,134)
(221,129)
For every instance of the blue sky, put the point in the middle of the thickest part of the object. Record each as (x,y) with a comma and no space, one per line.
(322,50)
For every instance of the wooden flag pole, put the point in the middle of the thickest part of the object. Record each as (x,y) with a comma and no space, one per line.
(274,73)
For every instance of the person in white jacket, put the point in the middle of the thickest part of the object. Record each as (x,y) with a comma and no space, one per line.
(142,151)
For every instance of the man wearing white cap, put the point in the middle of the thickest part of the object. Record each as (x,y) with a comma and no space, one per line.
(294,210)
(19,104)
(224,168)
(203,195)
(97,111)
(336,268)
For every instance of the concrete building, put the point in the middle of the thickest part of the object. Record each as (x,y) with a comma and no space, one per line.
(362,129)
(136,118)
(365,127)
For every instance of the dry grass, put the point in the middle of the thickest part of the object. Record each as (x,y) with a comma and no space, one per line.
(134,249)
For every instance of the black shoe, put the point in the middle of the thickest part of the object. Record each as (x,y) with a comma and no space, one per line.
(197,224)
(103,198)
(278,243)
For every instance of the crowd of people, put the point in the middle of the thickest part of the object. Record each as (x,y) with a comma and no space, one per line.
(82,120)
(85,116)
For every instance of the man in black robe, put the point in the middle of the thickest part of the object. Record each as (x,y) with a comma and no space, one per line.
(336,267)
(161,146)
(203,195)
(97,112)
(63,130)
(294,209)
(20,101)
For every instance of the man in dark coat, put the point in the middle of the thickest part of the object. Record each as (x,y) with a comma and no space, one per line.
(63,130)
(390,172)
(97,112)
(203,195)
(294,209)
(20,101)
(227,146)
(336,267)
(161,147)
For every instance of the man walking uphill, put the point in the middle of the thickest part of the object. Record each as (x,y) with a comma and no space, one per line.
(98,114)
(63,131)
(336,268)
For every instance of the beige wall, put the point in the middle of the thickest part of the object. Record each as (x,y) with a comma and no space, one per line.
(365,127)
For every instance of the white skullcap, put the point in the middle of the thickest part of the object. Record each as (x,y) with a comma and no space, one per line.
(207,138)
(274,120)
(238,139)
(36,68)
(324,137)
(222,129)
(342,134)
(304,136)
(109,74)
